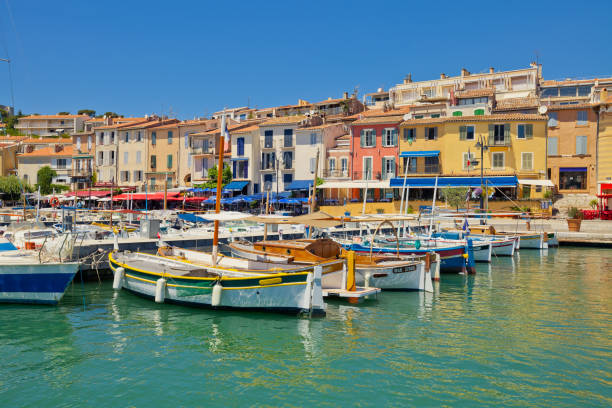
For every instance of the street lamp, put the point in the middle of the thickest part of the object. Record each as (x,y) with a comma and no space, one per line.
(483,148)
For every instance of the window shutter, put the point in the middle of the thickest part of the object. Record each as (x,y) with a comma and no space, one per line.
(436,133)
(234,169)
(384,168)
(491,134)
(361,138)
(373,137)
(462,132)
(405,134)
(507,134)
(529,131)
(393,167)
(246,169)
(394,133)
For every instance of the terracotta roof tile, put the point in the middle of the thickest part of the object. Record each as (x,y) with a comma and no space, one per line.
(516,103)
(55,117)
(49,151)
(284,120)
(323,126)
(480,118)
(555,107)
(330,101)
(573,82)
(48,140)
(246,129)
(379,119)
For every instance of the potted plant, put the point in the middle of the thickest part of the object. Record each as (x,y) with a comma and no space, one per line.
(574,219)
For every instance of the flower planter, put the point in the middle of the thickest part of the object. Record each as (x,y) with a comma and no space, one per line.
(573,224)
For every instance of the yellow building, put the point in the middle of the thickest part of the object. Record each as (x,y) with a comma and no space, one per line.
(604,145)
(515,146)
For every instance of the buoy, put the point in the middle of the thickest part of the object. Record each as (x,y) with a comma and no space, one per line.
(216,294)
(118,279)
(160,290)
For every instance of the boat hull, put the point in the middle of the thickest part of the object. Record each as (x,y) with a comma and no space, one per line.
(282,293)
(35,283)
(413,277)
(504,248)
(531,241)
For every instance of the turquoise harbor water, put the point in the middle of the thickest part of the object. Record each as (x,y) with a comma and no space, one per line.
(533,330)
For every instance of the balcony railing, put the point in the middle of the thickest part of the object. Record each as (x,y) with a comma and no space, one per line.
(428,169)
(267,144)
(81,172)
(367,175)
(202,150)
(267,167)
(499,142)
(327,173)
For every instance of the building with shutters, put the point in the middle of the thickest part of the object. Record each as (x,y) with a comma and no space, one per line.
(447,147)
(51,125)
(58,157)
(374,154)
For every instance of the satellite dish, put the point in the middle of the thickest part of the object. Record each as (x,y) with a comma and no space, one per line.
(408,116)
(543,109)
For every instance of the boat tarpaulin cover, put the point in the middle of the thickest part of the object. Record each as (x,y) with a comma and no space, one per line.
(430,182)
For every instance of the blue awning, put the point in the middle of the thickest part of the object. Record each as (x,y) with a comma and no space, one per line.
(430,182)
(572,169)
(422,153)
(191,217)
(236,185)
(239,158)
(299,185)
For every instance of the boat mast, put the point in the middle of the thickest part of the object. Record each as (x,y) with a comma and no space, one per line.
(433,208)
(314,192)
(215,248)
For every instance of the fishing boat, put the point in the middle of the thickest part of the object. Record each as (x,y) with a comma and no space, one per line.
(538,240)
(32,277)
(500,245)
(231,284)
(384,272)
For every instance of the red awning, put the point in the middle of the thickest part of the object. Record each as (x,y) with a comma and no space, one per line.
(143,196)
(86,193)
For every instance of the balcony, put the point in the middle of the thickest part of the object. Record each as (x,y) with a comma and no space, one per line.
(82,172)
(202,151)
(333,173)
(367,175)
(499,142)
(427,169)
(269,167)
(267,144)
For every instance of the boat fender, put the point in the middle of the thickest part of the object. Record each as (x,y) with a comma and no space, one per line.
(367,280)
(417,244)
(118,279)
(216,294)
(160,290)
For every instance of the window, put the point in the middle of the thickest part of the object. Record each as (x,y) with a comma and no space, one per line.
(526,161)
(288,160)
(112,157)
(61,163)
(153,138)
(553,146)
(186,140)
(153,161)
(389,137)
(466,132)
(581,145)
(584,90)
(138,157)
(550,93)
(367,168)
(498,160)
(344,166)
(409,134)
(189,160)
(288,137)
(137,175)
(313,138)
(169,161)
(332,164)
(410,164)
(112,137)
(287,178)
(431,133)
(268,135)
(432,164)
(312,164)
(268,178)
(524,132)
(553,119)
(368,137)
(268,161)
(240,146)
(138,136)
(388,167)
(568,91)
(499,135)
(435,115)
(170,135)
(582,118)
(125,176)
(100,159)
(572,178)
(418,116)
(78,143)
(468,161)
(152,182)
(125,157)
(126,138)
(89,142)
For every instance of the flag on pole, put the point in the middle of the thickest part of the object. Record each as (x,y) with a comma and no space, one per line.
(466,227)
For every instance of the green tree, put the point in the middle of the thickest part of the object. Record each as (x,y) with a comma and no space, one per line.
(112,115)
(64,113)
(88,112)
(45,176)
(94,178)
(11,187)
(212,177)
(455,196)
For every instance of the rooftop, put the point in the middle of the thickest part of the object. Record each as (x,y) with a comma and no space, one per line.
(48,140)
(379,120)
(516,103)
(475,93)
(55,117)
(50,151)
(567,82)
(479,118)
(284,120)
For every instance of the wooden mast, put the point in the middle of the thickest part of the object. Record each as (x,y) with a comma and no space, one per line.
(215,248)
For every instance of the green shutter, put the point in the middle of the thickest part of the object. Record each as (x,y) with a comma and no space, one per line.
(394,136)
(362,138)
(384,167)
(169,161)
(529,131)
(507,133)
(374,137)
(462,132)
(457,113)
(491,134)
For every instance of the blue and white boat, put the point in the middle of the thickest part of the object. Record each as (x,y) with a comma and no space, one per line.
(27,278)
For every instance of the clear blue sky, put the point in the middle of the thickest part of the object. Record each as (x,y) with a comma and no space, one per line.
(136,57)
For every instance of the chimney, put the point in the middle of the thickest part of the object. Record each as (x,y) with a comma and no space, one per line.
(464,72)
(408,79)
(345,95)
(108,120)
(443,76)
(379,90)
(491,70)
(58,148)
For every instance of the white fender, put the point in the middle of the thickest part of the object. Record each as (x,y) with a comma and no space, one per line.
(160,290)
(118,279)
(367,280)
(216,294)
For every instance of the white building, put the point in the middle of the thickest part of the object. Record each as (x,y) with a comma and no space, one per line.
(245,161)
(51,125)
